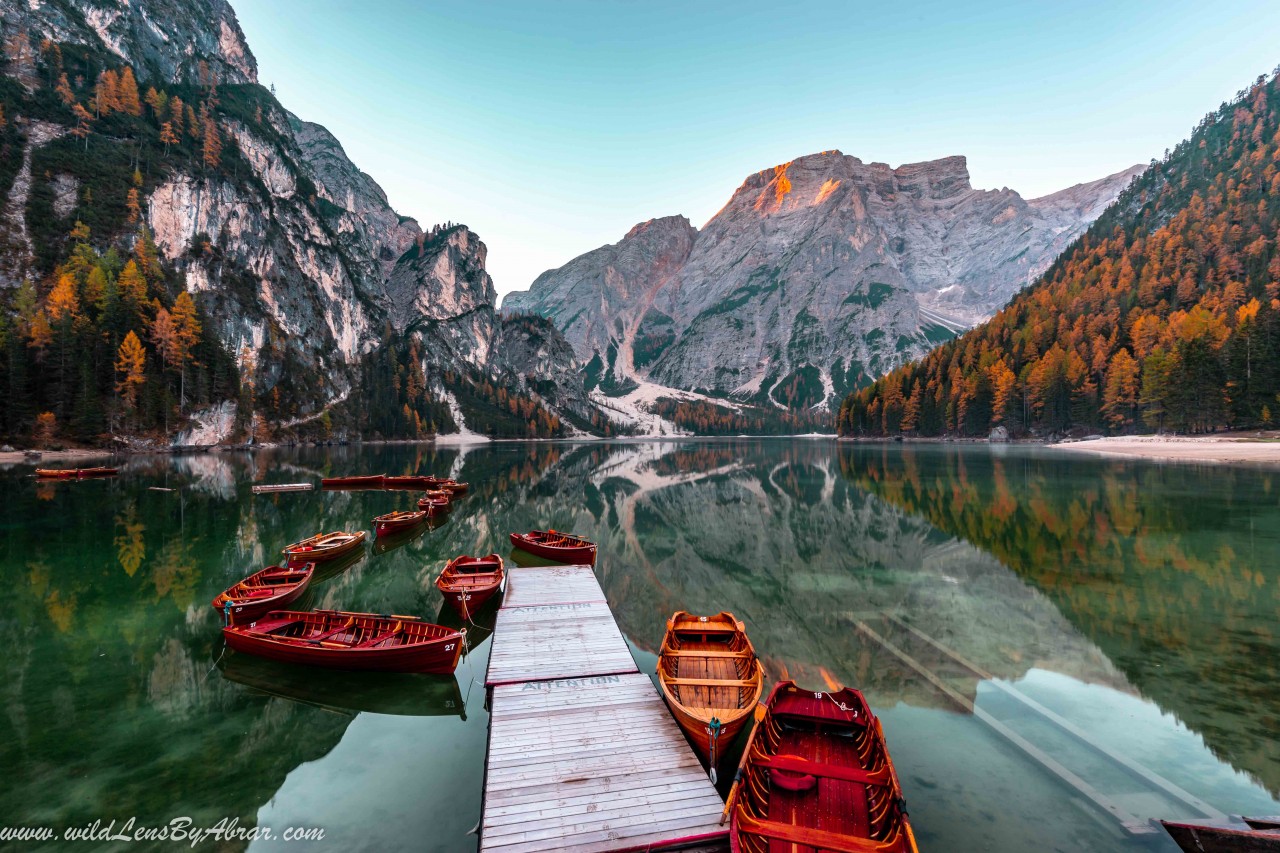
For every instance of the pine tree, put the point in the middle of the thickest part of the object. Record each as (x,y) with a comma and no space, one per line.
(187,330)
(168,137)
(83,119)
(177,113)
(132,206)
(106,93)
(63,90)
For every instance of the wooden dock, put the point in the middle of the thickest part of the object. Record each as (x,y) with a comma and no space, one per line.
(583,754)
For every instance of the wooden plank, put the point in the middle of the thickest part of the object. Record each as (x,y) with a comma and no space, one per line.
(591,764)
(555,641)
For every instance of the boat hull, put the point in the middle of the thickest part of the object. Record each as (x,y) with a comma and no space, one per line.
(439,655)
(1199,838)
(300,553)
(406,482)
(709,648)
(468,583)
(247,610)
(373,481)
(581,555)
(386,527)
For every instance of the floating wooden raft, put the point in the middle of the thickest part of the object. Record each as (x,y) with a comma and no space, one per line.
(284,487)
(583,754)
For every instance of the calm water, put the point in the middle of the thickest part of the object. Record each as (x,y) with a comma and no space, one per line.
(1003,612)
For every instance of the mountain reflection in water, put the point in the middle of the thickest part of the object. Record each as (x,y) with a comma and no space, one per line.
(1117,617)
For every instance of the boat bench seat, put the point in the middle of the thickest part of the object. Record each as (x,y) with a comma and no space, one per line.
(696,654)
(709,682)
(879,777)
(386,635)
(327,634)
(817,838)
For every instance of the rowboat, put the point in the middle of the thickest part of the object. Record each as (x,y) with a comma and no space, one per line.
(407,482)
(358,641)
(434,506)
(453,487)
(372,481)
(1259,835)
(562,547)
(711,678)
(324,546)
(439,493)
(817,775)
(468,582)
(264,591)
(75,473)
(396,522)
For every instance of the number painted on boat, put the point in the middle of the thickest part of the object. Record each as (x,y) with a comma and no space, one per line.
(449,647)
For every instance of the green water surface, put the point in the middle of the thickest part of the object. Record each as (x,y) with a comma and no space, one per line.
(1015,616)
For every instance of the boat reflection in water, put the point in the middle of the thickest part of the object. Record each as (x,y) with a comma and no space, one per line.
(400,694)
(333,568)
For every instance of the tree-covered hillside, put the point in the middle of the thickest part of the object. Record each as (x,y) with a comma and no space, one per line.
(1165,315)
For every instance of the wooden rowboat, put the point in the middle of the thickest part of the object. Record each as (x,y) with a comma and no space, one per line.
(372,481)
(1259,835)
(453,487)
(75,473)
(562,547)
(358,641)
(711,678)
(270,589)
(407,482)
(434,506)
(817,775)
(439,493)
(396,522)
(324,546)
(468,582)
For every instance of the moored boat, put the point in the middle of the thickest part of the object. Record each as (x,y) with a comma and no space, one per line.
(562,547)
(396,522)
(453,487)
(354,641)
(817,775)
(407,482)
(1257,836)
(324,546)
(434,506)
(270,589)
(74,473)
(468,582)
(371,481)
(711,678)
(83,473)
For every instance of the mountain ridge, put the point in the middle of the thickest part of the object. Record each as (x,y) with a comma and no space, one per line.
(816,276)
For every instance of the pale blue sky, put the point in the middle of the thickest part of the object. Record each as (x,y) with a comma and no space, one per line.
(552,128)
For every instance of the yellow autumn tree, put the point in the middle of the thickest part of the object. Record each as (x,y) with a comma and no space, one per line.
(127,93)
(131,364)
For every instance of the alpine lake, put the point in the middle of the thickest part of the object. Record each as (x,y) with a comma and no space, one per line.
(1061,648)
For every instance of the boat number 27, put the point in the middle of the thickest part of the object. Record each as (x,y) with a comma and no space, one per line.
(449,647)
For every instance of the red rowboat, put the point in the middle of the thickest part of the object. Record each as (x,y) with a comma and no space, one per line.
(373,481)
(434,506)
(468,582)
(324,546)
(339,640)
(407,482)
(438,493)
(264,591)
(1261,835)
(453,487)
(817,775)
(395,522)
(74,473)
(711,679)
(562,547)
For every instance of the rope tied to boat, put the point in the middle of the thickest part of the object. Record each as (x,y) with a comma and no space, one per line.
(713,729)
(226,612)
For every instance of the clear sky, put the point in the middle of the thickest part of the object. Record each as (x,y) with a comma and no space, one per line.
(550,128)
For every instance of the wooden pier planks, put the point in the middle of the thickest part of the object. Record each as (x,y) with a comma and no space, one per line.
(549,641)
(583,754)
(591,764)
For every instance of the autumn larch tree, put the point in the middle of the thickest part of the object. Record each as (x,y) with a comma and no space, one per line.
(131,371)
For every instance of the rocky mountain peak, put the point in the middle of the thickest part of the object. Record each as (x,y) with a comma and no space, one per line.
(166,41)
(935,179)
(661,225)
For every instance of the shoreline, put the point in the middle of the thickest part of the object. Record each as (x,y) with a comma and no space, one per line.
(1230,448)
